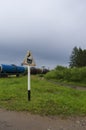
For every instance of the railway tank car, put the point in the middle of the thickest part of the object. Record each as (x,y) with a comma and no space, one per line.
(6,70)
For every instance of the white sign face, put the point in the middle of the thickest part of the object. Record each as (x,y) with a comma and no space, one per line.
(28,60)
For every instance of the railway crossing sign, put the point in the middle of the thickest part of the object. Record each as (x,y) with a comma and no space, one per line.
(28,60)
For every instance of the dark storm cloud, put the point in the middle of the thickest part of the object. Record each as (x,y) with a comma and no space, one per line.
(49,28)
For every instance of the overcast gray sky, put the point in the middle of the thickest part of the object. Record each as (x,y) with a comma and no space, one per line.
(49,28)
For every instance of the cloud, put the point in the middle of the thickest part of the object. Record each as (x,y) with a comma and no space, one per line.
(50,28)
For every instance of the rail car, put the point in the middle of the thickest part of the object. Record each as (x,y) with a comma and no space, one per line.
(6,70)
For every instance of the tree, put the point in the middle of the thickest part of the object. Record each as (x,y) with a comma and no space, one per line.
(79,61)
(73,57)
(78,57)
(84,57)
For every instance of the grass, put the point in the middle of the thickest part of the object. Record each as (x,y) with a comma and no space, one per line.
(66,83)
(46,98)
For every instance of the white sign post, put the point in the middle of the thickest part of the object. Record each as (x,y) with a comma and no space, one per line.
(28,60)
(29,92)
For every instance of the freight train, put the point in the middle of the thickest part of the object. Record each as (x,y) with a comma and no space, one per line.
(6,70)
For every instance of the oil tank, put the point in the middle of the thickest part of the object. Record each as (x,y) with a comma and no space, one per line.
(12,69)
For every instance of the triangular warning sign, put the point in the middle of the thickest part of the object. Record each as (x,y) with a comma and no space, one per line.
(28,60)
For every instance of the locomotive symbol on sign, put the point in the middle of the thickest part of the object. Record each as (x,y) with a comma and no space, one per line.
(28,60)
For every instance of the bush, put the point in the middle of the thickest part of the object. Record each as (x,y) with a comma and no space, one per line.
(68,74)
(51,75)
(75,75)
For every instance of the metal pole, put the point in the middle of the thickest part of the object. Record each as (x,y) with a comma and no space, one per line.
(29,92)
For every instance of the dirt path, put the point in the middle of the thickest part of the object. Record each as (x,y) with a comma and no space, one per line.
(68,85)
(10,120)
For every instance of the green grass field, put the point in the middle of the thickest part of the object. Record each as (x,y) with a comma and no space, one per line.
(46,98)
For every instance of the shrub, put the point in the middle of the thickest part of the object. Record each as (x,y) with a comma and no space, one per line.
(51,75)
(68,74)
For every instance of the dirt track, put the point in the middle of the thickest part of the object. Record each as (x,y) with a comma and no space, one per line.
(10,120)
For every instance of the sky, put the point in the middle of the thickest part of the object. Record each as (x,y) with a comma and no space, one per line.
(50,29)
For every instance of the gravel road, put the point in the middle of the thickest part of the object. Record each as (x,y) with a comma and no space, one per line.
(10,120)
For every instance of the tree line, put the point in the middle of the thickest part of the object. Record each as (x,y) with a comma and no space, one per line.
(76,72)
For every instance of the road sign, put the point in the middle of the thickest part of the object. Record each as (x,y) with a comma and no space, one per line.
(28,60)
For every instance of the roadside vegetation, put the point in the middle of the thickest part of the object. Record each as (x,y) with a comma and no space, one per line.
(69,75)
(46,98)
(76,72)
